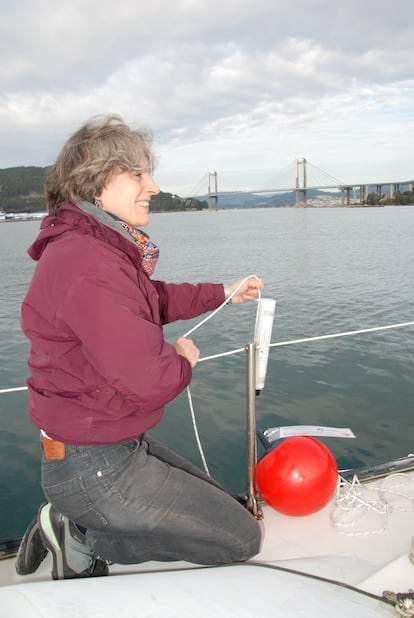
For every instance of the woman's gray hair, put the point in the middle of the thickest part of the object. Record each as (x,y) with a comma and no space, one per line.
(100,148)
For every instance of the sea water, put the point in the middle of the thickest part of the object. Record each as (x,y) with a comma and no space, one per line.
(329,270)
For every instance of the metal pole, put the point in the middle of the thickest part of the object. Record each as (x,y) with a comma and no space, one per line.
(251,503)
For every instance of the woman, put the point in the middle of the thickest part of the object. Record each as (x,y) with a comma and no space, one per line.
(101,373)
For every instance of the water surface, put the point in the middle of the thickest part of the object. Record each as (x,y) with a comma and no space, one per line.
(330,270)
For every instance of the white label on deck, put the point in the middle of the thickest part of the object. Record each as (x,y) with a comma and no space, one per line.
(276,433)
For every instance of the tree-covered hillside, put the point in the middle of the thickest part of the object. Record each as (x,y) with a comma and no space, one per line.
(21,190)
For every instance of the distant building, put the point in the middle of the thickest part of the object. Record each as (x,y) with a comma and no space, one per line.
(22,216)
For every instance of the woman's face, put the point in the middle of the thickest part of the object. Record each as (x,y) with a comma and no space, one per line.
(127,195)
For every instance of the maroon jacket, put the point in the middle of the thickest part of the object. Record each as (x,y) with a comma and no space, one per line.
(101,370)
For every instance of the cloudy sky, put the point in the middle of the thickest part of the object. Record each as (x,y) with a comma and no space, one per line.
(243,87)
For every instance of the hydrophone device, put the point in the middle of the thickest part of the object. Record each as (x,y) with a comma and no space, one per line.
(262,337)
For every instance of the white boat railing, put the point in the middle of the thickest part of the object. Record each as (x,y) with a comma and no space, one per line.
(251,349)
(360,331)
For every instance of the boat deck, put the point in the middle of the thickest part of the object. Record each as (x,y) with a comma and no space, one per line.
(340,556)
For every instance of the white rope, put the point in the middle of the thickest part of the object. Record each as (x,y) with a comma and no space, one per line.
(344,334)
(226,302)
(271,345)
(13,390)
(280,344)
(308,339)
(190,401)
(363,510)
(197,437)
(352,507)
(238,350)
(205,358)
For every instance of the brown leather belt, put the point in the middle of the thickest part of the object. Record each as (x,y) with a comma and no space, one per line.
(53,449)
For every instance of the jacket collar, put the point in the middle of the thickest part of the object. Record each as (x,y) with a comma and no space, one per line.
(103,217)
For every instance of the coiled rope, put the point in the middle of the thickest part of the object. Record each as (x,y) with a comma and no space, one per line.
(362,510)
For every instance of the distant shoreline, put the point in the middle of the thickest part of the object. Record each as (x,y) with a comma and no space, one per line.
(16,217)
(22,216)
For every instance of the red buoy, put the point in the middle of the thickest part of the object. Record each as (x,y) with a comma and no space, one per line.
(298,477)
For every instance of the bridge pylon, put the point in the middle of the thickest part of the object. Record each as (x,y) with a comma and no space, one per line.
(300,191)
(212,191)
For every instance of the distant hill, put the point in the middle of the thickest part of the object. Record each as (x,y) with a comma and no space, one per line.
(21,190)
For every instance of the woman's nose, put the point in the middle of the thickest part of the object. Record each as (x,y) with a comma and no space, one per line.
(151,186)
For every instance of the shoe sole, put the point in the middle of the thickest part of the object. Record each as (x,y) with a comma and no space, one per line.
(24,552)
(51,541)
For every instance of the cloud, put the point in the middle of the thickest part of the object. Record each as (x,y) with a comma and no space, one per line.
(236,85)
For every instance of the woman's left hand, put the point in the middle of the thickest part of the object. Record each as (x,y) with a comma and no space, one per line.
(249,290)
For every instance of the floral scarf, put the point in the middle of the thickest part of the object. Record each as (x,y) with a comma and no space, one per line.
(148,250)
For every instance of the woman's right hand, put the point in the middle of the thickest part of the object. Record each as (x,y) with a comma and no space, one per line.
(185,347)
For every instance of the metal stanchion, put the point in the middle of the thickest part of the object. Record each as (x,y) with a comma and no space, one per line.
(252,503)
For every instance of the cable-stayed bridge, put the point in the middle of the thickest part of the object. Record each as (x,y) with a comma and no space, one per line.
(307,176)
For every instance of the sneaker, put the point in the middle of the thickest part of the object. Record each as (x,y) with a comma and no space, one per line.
(71,556)
(31,551)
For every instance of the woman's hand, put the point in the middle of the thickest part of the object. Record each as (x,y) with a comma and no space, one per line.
(249,290)
(185,347)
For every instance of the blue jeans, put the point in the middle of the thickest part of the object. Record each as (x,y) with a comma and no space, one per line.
(140,501)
